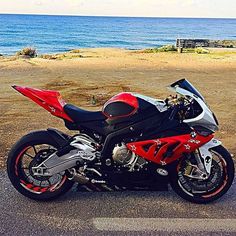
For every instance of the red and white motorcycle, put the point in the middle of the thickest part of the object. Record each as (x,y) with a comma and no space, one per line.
(134,143)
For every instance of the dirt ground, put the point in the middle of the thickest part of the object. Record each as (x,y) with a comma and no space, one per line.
(97,74)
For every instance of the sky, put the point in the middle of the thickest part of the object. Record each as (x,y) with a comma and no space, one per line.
(143,8)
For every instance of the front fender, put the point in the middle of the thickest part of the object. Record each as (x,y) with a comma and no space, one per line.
(206,154)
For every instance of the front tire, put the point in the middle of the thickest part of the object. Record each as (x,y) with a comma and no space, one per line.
(27,152)
(179,182)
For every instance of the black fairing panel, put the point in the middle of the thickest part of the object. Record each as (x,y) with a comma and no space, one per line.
(145,111)
(91,122)
(147,121)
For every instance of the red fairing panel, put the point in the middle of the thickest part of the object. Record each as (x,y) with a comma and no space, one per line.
(49,100)
(166,150)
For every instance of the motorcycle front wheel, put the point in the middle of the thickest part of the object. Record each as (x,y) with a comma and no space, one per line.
(207,190)
(28,152)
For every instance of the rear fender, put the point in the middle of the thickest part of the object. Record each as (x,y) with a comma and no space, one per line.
(59,137)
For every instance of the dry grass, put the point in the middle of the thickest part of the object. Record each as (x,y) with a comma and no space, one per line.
(75,51)
(202,50)
(27,52)
(48,57)
(60,56)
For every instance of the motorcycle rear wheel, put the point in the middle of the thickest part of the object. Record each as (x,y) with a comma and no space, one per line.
(29,151)
(193,190)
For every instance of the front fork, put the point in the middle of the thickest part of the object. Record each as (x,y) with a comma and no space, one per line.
(203,157)
(205,154)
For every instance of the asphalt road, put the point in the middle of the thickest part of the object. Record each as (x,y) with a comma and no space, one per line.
(120,213)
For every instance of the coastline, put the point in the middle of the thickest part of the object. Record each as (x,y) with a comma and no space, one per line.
(51,34)
(103,72)
(117,16)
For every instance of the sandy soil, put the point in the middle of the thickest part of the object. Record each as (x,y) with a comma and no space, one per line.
(104,72)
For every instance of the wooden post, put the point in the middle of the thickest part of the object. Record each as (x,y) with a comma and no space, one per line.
(179,46)
(180,49)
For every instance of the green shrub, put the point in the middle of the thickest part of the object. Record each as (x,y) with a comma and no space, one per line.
(166,48)
(94,100)
(201,51)
(189,50)
(28,52)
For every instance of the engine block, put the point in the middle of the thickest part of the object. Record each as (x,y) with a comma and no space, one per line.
(124,157)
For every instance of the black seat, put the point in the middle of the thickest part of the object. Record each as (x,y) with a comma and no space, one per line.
(80,115)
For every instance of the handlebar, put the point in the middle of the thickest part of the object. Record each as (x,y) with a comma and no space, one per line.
(178,106)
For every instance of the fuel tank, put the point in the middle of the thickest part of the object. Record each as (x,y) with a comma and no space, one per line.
(125,105)
(120,106)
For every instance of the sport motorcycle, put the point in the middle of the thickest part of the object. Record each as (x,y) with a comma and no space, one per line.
(135,143)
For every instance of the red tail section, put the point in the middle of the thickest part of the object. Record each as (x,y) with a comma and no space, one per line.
(48,99)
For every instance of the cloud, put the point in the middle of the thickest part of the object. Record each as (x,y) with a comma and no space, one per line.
(76,3)
(38,3)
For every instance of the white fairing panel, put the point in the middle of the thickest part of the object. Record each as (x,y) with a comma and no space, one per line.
(206,154)
(206,118)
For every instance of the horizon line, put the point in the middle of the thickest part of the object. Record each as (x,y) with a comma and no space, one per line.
(118,16)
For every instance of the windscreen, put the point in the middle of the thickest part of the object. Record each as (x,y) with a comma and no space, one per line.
(185,84)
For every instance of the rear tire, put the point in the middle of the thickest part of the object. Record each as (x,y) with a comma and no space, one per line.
(20,178)
(219,191)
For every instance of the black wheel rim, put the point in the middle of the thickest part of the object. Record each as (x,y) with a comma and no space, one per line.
(212,187)
(32,156)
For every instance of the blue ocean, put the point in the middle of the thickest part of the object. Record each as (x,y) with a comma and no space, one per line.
(52,34)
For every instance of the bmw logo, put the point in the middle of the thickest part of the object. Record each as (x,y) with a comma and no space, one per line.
(193,134)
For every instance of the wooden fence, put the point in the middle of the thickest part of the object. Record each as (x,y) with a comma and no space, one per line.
(194,43)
